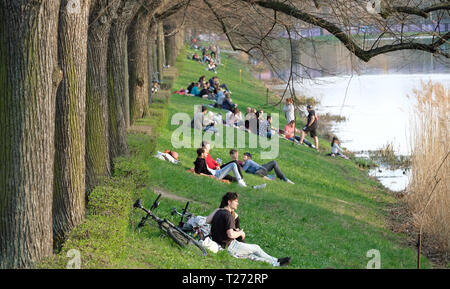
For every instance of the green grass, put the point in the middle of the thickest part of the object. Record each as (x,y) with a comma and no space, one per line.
(331,217)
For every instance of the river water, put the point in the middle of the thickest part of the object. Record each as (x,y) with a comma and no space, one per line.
(376,98)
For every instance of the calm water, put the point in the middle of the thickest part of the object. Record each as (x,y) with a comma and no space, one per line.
(375,97)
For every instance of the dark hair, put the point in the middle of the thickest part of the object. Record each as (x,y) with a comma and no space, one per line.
(248,154)
(204,108)
(200,151)
(335,139)
(269,116)
(229,196)
(204,143)
(292,121)
(233,151)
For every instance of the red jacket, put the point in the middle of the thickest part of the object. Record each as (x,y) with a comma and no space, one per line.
(212,164)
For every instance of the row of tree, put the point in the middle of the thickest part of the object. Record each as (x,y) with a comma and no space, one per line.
(74,75)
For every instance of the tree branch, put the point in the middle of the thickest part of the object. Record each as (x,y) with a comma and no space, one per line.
(424,12)
(348,42)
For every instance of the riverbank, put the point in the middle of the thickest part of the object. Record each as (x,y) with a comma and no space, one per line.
(331,217)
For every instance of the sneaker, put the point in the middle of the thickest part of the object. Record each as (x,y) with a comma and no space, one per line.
(289,181)
(241,183)
(271,177)
(259,186)
(284,261)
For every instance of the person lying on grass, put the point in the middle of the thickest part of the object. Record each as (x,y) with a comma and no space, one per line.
(225,233)
(253,167)
(202,169)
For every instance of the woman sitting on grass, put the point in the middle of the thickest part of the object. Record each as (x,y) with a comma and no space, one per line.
(212,66)
(227,102)
(234,117)
(250,117)
(195,91)
(289,133)
(201,168)
(336,149)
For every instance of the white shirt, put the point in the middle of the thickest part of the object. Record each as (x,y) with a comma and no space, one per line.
(290,112)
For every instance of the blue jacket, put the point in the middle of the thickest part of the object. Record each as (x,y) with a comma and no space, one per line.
(251,167)
(195,91)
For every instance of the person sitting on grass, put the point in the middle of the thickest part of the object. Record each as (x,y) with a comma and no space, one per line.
(212,66)
(289,133)
(336,149)
(201,168)
(265,129)
(196,57)
(202,122)
(311,127)
(212,164)
(195,91)
(227,102)
(220,97)
(235,159)
(234,117)
(253,167)
(251,120)
(204,93)
(189,88)
(225,233)
(202,80)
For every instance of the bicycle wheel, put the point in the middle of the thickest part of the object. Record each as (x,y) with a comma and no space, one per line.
(184,240)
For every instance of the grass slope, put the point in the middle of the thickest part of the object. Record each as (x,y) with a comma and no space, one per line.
(331,217)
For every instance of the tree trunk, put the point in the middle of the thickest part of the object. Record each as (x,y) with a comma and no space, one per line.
(170,43)
(138,64)
(29,77)
(151,55)
(69,171)
(161,58)
(98,163)
(118,91)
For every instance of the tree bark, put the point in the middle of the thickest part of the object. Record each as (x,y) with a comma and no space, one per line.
(118,90)
(29,77)
(69,171)
(161,57)
(138,64)
(170,43)
(151,55)
(98,163)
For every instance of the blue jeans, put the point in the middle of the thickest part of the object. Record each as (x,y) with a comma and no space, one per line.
(304,140)
(211,128)
(221,173)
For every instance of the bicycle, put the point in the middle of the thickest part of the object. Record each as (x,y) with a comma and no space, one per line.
(179,236)
(195,231)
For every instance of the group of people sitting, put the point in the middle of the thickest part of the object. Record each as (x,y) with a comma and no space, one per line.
(211,59)
(205,165)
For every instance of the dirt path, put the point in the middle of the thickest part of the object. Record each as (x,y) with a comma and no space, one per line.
(171,196)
